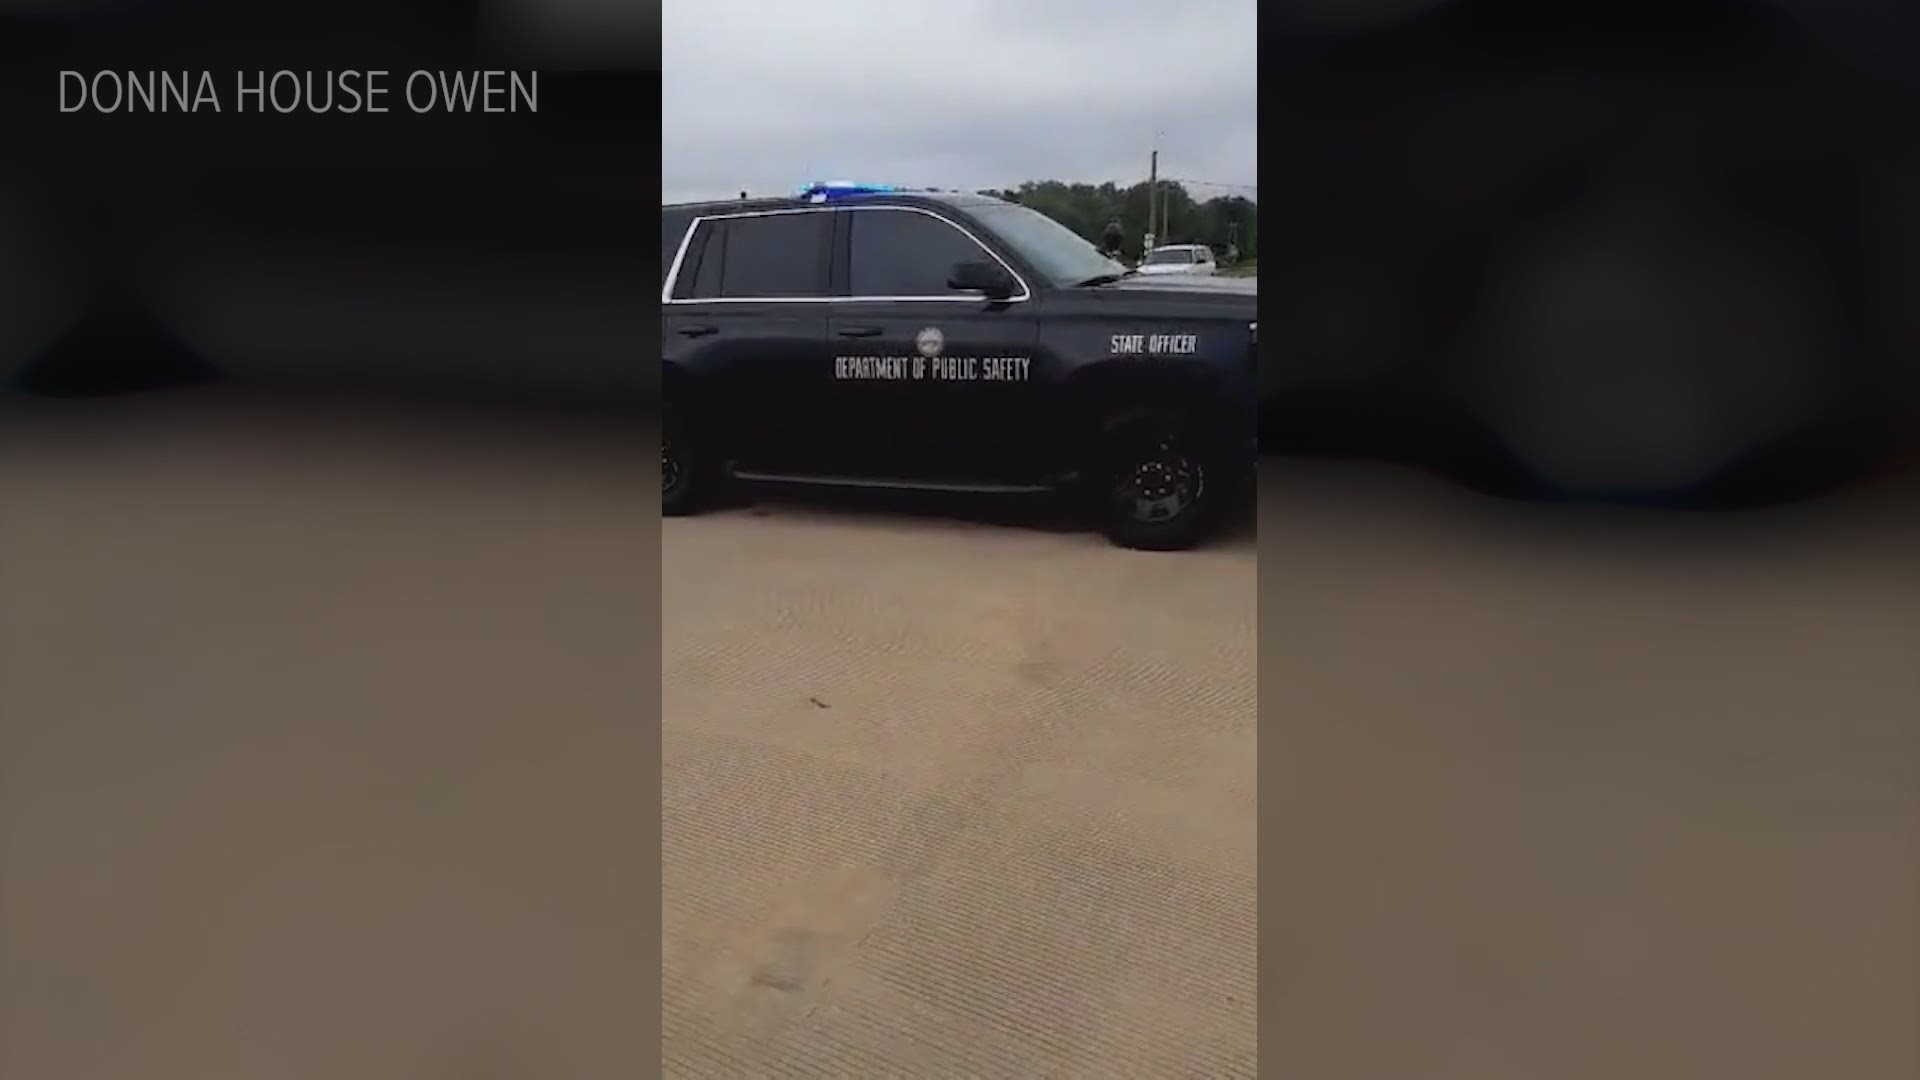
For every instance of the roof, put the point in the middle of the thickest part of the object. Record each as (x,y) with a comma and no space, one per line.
(961,199)
(731,205)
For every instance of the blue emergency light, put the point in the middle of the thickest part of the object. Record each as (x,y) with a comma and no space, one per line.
(822,191)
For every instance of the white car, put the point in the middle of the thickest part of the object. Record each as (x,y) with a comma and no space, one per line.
(1179,259)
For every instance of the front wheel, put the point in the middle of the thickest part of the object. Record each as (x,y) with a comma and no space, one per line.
(1159,488)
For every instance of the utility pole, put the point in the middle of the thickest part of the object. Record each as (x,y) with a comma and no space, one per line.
(1153,196)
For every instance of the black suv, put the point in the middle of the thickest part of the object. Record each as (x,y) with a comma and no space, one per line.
(854,336)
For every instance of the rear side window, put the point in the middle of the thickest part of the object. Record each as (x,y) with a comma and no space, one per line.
(903,253)
(774,255)
(690,261)
(713,257)
(700,269)
(766,257)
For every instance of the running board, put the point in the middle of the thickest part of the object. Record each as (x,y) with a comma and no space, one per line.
(892,485)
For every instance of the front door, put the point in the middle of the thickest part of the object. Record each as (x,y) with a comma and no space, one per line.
(942,383)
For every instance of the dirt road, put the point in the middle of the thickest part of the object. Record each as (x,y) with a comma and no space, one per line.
(319,739)
(946,798)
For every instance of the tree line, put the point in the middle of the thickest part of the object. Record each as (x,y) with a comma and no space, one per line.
(1087,208)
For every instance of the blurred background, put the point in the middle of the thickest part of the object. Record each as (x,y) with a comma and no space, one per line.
(1635,251)
(1590,729)
(383,253)
(328,587)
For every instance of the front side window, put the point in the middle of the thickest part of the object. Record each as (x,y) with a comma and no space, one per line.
(905,253)
(763,257)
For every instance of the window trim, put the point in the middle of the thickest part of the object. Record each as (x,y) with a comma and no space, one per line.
(667,298)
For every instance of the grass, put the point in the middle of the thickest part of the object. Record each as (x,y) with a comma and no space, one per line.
(1250,268)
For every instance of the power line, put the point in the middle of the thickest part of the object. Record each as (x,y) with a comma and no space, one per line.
(1208,183)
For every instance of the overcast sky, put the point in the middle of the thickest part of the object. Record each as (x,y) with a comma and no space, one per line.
(764,95)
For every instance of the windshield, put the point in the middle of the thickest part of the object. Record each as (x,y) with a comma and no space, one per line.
(1058,253)
(1163,256)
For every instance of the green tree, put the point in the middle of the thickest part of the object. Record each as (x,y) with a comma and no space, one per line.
(1086,209)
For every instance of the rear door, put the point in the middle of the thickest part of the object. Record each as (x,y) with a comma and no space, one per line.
(941,383)
(746,318)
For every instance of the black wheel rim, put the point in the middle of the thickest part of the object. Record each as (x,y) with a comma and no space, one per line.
(1157,484)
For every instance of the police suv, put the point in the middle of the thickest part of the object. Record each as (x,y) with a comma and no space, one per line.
(869,336)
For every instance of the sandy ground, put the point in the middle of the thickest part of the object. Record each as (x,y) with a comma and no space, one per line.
(1585,793)
(955,798)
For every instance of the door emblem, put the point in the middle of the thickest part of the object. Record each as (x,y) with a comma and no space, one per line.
(930,341)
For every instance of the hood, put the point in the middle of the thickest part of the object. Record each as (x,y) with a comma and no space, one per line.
(1168,296)
(1206,287)
(1201,284)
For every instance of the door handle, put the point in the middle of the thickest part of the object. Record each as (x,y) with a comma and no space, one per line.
(859,331)
(698,331)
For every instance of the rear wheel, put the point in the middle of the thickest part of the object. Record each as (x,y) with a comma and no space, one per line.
(680,466)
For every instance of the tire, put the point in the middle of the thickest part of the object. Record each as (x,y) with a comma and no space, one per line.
(1159,485)
(681,471)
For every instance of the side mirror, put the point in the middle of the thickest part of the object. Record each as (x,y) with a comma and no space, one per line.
(980,277)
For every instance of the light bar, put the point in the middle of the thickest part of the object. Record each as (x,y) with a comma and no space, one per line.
(821,191)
